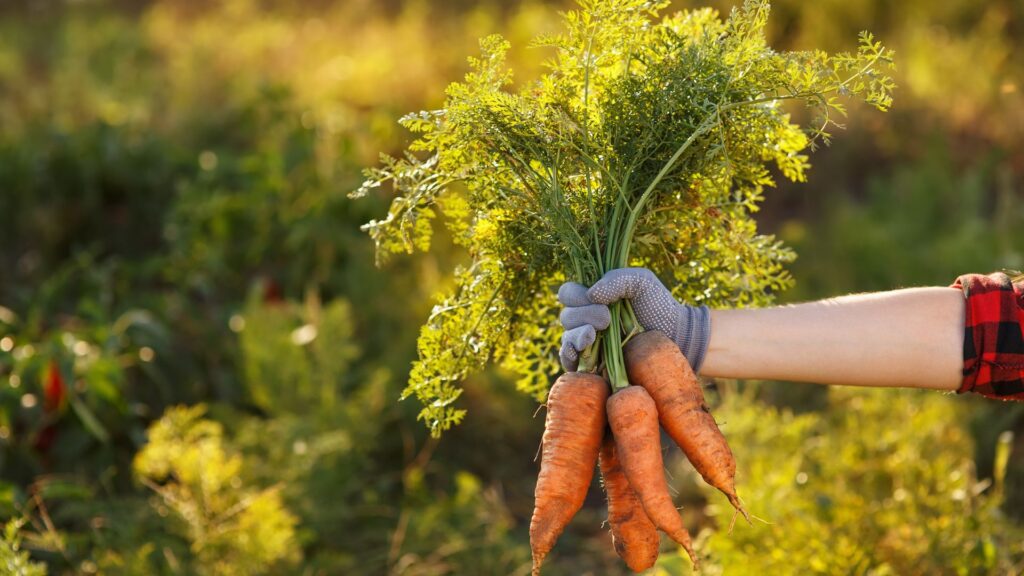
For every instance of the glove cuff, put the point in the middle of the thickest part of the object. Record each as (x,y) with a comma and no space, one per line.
(692,333)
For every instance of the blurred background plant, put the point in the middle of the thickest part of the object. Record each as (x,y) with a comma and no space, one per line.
(175,233)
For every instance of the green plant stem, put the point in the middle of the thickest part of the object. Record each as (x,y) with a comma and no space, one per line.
(615,363)
(629,322)
(626,240)
(590,357)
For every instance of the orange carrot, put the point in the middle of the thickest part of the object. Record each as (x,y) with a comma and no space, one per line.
(572,438)
(634,536)
(634,421)
(655,363)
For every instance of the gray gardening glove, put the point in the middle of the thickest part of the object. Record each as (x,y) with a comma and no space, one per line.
(586,312)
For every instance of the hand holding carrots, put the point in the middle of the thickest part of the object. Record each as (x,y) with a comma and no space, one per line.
(625,426)
(586,312)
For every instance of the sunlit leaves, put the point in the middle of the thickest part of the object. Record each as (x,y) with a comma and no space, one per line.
(532,353)
(464,329)
(408,224)
(13,559)
(885,508)
(232,529)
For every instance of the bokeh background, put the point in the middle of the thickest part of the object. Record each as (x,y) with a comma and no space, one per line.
(200,364)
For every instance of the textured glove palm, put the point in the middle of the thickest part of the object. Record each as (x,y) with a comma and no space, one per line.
(586,312)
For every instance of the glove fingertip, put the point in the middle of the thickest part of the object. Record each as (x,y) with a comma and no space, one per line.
(586,337)
(568,357)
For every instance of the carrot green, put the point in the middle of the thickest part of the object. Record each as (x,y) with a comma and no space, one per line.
(649,141)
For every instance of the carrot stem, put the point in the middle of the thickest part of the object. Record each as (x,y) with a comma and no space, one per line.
(590,357)
(615,363)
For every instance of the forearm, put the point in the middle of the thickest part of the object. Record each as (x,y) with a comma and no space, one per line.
(911,338)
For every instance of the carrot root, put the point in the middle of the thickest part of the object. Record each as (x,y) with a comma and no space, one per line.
(634,536)
(573,431)
(633,417)
(654,362)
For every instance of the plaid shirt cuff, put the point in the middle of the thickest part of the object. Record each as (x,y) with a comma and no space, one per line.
(993,336)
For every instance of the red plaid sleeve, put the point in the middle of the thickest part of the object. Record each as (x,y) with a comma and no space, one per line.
(993,336)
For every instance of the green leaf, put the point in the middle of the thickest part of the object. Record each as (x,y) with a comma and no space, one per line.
(88,419)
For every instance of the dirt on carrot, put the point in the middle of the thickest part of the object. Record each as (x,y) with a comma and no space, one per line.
(655,363)
(634,536)
(633,418)
(573,431)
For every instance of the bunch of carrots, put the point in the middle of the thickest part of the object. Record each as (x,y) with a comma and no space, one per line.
(586,424)
(648,142)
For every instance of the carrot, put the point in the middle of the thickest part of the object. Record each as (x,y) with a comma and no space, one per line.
(634,536)
(634,421)
(655,363)
(572,438)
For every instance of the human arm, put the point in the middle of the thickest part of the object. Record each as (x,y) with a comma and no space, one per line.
(902,338)
(967,338)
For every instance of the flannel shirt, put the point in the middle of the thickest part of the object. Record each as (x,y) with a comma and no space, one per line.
(993,335)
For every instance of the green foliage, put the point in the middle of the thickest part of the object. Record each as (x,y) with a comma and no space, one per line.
(13,560)
(330,459)
(279,192)
(295,356)
(323,451)
(648,142)
(72,387)
(120,223)
(231,529)
(949,219)
(855,474)
(472,523)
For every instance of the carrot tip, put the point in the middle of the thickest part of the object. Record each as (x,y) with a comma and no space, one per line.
(683,539)
(693,559)
(735,501)
(538,559)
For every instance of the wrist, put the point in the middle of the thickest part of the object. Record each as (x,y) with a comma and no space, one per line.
(693,333)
